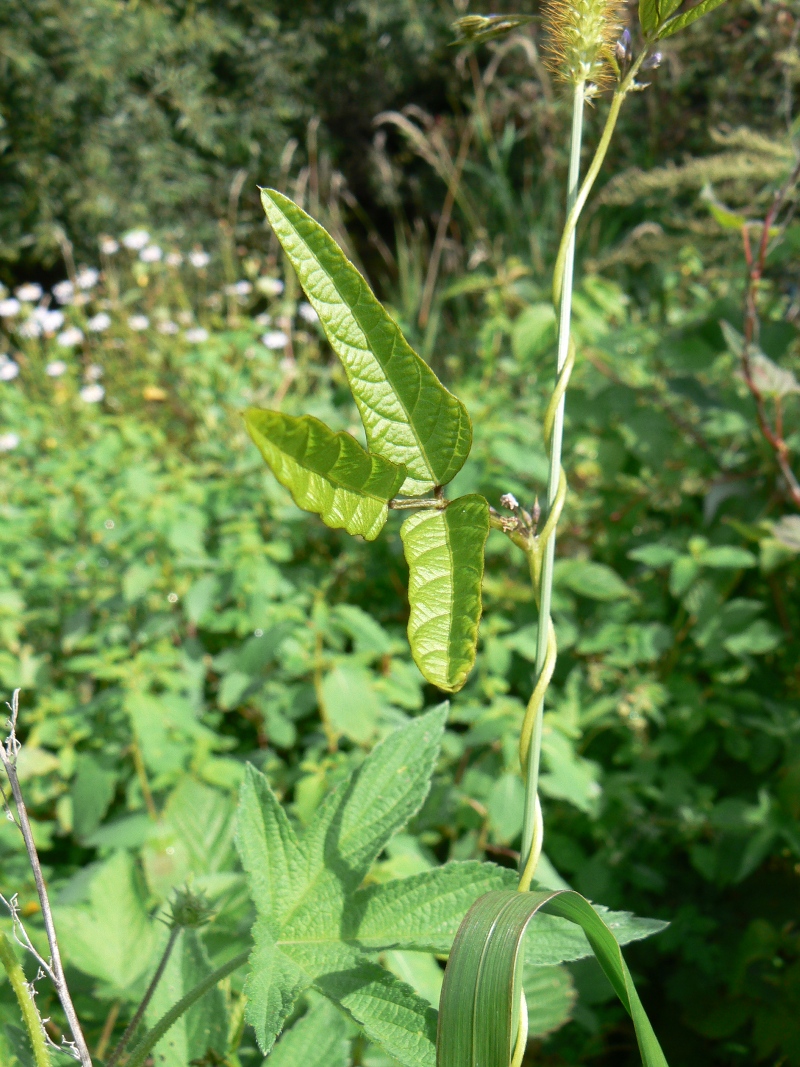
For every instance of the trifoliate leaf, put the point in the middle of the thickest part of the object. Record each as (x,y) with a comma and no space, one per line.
(409,416)
(327,473)
(444,551)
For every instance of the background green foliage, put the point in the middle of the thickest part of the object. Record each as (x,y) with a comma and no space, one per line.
(170,614)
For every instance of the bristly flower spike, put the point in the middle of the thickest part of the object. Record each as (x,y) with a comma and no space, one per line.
(583,37)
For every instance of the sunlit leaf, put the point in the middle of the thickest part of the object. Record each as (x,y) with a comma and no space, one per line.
(479,1011)
(409,416)
(327,473)
(444,551)
(686,18)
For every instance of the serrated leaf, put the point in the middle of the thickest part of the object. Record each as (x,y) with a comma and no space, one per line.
(686,18)
(327,473)
(409,416)
(301,888)
(389,1012)
(479,1012)
(204,1026)
(551,995)
(318,1039)
(444,550)
(422,912)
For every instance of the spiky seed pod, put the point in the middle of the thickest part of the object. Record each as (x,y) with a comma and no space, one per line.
(581,36)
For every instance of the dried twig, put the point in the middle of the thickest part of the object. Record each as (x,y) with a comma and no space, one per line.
(755,270)
(52,969)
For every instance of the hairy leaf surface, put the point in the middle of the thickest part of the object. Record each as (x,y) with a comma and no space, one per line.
(319,1039)
(303,886)
(409,416)
(327,473)
(444,551)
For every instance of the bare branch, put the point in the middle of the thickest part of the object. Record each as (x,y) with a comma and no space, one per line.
(8,756)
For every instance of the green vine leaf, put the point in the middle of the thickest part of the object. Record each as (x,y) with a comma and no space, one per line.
(409,416)
(327,473)
(444,551)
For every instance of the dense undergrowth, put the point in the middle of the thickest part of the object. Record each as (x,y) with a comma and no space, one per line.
(169,613)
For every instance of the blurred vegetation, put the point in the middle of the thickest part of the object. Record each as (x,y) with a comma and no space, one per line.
(170,614)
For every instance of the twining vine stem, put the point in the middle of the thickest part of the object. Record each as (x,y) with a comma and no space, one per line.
(541,548)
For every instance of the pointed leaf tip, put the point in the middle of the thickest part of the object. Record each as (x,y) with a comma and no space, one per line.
(409,416)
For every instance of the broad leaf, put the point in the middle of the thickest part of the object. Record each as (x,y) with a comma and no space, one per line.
(444,551)
(409,416)
(302,888)
(479,1012)
(204,1027)
(648,16)
(422,912)
(319,1039)
(686,18)
(389,1012)
(550,994)
(110,937)
(327,473)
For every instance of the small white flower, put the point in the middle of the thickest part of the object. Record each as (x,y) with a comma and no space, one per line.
(242,288)
(99,322)
(94,372)
(136,240)
(196,335)
(8,441)
(9,307)
(29,293)
(151,254)
(92,394)
(174,259)
(172,598)
(30,328)
(274,339)
(167,326)
(199,259)
(8,370)
(70,337)
(138,322)
(307,313)
(64,292)
(87,278)
(56,368)
(50,321)
(270,286)
(108,246)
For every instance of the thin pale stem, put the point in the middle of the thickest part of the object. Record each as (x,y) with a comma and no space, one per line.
(30,1016)
(130,1029)
(55,970)
(545,640)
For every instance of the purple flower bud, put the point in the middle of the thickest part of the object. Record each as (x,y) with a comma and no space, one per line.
(623,47)
(652,62)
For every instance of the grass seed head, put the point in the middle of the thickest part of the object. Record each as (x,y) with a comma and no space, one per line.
(581,36)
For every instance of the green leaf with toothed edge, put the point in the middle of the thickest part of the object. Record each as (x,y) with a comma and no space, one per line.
(409,416)
(305,891)
(479,1009)
(327,473)
(686,18)
(444,550)
(318,1039)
